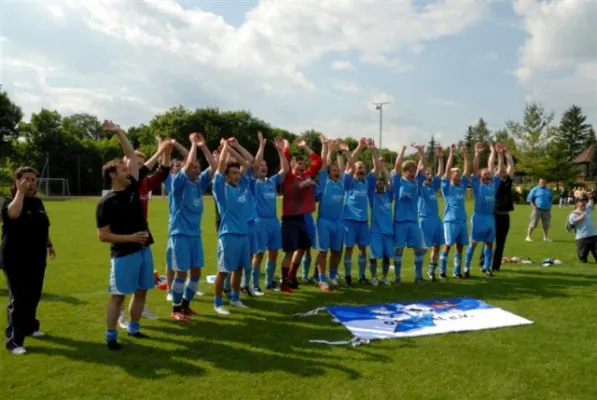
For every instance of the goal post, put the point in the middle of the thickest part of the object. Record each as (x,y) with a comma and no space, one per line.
(53,187)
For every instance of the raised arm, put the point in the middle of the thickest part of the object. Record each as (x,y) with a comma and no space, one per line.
(16,205)
(260,151)
(202,144)
(450,161)
(332,147)
(491,159)
(244,163)
(315,166)
(180,148)
(355,154)
(242,151)
(374,155)
(192,156)
(384,171)
(158,155)
(340,162)
(324,151)
(501,166)
(510,169)
(399,159)
(439,154)
(476,158)
(466,170)
(421,150)
(343,147)
(284,165)
(223,157)
(127,147)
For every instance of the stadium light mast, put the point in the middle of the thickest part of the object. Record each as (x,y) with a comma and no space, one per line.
(379,107)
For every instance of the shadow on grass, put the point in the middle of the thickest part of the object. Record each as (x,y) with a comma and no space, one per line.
(64,298)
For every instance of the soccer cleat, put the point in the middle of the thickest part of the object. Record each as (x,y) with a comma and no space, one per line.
(528,239)
(148,314)
(112,345)
(431,276)
(273,286)
(238,303)
(324,287)
(457,276)
(386,281)
(169,297)
(138,335)
(18,351)
(443,276)
(363,281)
(333,282)
(122,322)
(419,281)
(180,317)
(294,284)
(246,291)
(38,334)
(348,281)
(199,293)
(162,286)
(258,292)
(189,312)
(488,273)
(374,281)
(546,239)
(398,282)
(467,274)
(221,310)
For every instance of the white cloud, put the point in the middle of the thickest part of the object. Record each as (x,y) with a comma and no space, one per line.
(436,101)
(342,66)
(558,61)
(127,60)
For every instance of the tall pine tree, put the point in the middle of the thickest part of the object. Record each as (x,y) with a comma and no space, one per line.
(573,131)
(430,151)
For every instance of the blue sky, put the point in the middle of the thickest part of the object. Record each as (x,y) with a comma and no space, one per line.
(302,65)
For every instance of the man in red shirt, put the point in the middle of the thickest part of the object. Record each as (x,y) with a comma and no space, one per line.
(299,199)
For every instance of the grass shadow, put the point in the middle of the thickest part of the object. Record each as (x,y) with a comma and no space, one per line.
(64,298)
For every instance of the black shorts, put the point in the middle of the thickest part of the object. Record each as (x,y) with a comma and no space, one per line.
(295,235)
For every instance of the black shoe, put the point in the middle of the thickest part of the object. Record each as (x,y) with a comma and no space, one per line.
(467,274)
(457,276)
(363,281)
(348,281)
(114,345)
(138,335)
(431,276)
(246,291)
(273,286)
(443,276)
(294,284)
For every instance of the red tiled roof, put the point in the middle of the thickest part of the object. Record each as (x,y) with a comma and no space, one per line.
(585,156)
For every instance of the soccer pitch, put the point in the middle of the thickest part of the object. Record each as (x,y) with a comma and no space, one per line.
(264,353)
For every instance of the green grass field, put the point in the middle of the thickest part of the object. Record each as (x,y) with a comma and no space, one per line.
(263,353)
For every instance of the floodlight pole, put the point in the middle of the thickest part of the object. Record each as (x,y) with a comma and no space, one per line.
(379,107)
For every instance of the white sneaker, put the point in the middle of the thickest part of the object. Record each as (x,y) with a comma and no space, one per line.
(18,351)
(238,304)
(221,310)
(386,281)
(374,281)
(148,314)
(169,297)
(38,334)
(333,282)
(122,322)
(257,292)
(198,293)
(528,239)
(546,239)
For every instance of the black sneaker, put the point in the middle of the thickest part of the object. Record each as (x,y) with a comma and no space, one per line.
(467,274)
(246,291)
(431,276)
(138,335)
(363,281)
(294,284)
(273,286)
(457,276)
(348,281)
(443,276)
(114,345)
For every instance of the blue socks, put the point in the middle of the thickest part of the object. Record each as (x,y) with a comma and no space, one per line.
(111,335)
(419,254)
(443,262)
(347,267)
(177,291)
(234,296)
(488,253)
(133,327)
(373,267)
(457,262)
(362,260)
(191,288)
(218,302)
(270,270)
(398,266)
(333,272)
(306,262)
(256,275)
(470,250)
(322,278)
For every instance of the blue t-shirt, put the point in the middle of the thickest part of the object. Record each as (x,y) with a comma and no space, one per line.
(586,227)
(265,196)
(186,203)
(332,197)
(454,197)
(541,196)
(484,195)
(427,203)
(406,195)
(248,183)
(381,209)
(357,207)
(233,204)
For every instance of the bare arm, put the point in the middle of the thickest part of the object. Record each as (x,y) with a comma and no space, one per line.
(284,165)
(510,169)
(449,163)
(242,151)
(466,171)
(223,157)
(421,150)
(501,167)
(106,236)
(324,152)
(491,159)
(127,147)
(16,205)
(374,155)
(476,158)
(260,151)
(439,154)
(399,159)
(340,161)
(181,149)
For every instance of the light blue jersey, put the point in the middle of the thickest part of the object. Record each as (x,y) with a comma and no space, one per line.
(168,186)
(484,195)
(541,196)
(427,202)
(332,197)
(406,194)
(248,183)
(357,207)
(454,197)
(186,203)
(586,227)
(381,209)
(265,196)
(232,204)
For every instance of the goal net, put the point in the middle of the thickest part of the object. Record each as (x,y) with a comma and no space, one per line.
(53,187)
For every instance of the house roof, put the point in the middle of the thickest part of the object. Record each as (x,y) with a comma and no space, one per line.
(585,156)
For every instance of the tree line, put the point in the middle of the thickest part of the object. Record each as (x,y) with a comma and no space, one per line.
(76,146)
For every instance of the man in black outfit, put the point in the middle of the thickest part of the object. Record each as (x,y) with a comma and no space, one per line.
(121,222)
(503,205)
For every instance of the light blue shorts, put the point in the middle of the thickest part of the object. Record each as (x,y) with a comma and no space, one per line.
(233,253)
(382,245)
(408,234)
(131,273)
(433,231)
(483,228)
(270,235)
(456,233)
(184,253)
(330,235)
(356,233)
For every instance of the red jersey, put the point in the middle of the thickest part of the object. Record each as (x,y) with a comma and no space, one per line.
(299,192)
(149,184)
